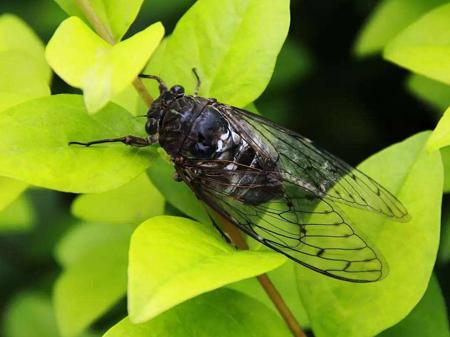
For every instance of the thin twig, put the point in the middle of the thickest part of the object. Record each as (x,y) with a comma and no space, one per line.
(107,35)
(265,282)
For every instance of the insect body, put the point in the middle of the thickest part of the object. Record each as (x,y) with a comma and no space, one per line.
(273,184)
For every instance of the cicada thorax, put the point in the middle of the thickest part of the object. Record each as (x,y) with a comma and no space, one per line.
(195,134)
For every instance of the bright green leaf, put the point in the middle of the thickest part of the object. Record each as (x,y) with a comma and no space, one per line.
(285,281)
(34,145)
(177,193)
(85,61)
(16,35)
(387,20)
(10,189)
(428,319)
(24,71)
(30,314)
(130,98)
(95,275)
(424,47)
(131,203)
(444,247)
(115,15)
(428,90)
(234,56)
(337,308)
(221,313)
(441,135)
(21,80)
(445,155)
(166,252)
(18,216)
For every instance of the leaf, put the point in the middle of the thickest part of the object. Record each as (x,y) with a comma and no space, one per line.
(116,15)
(285,280)
(445,155)
(428,319)
(19,216)
(131,203)
(337,308)
(221,313)
(166,252)
(388,19)
(435,93)
(10,189)
(294,63)
(34,145)
(24,71)
(424,47)
(178,194)
(444,247)
(223,50)
(16,35)
(94,276)
(85,61)
(30,314)
(441,135)
(22,80)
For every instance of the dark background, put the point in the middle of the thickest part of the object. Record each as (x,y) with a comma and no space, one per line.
(349,106)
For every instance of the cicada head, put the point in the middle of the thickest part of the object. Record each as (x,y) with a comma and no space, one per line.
(159,108)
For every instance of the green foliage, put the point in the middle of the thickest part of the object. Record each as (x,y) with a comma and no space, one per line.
(35,147)
(424,47)
(428,319)
(220,313)
(115,15)
(285,280)
(19,216)
(11,189)
(441,135)
(388,19)
(171,268)
(341,309)
(435,93)
(94,258)
(30,314)
(131,203)
(166,252)
(86,61)
(179,195)
(220,49)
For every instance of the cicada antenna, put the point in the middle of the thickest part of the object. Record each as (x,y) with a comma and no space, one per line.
(162,86)
(199,81)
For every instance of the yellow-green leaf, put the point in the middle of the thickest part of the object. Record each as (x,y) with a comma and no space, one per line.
(34,145)
(221,313)
(337,308)
(388,19)
(424,46)
(115,15)
(131,203)
(85,61)
(173,259)
(94,276)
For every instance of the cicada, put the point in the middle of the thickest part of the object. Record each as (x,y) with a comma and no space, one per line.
(273,184)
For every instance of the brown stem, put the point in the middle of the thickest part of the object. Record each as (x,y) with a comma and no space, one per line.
(265,282)
(106,35)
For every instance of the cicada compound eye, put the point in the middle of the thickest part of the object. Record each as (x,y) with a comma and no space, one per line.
(177,90)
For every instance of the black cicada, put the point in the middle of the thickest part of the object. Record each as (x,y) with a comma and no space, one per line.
(273,184)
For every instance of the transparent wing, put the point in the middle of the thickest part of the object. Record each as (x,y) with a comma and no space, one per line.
(306,165)
(305,227)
